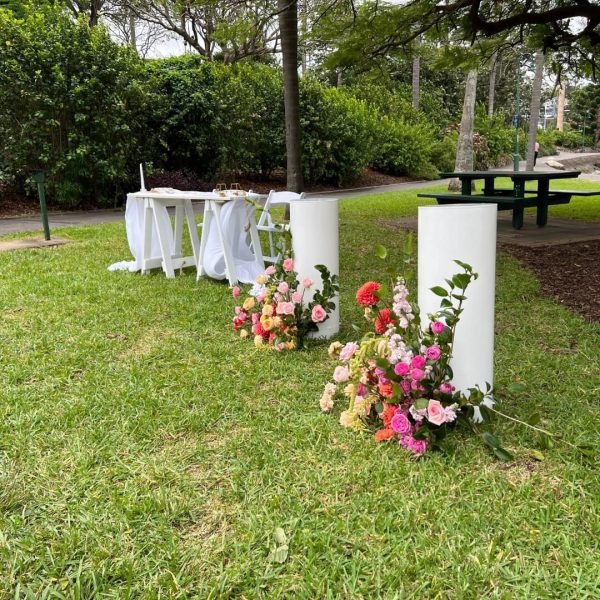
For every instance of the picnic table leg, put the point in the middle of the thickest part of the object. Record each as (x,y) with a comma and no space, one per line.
(465,184)
(518,210)
(542,207)
(488,186)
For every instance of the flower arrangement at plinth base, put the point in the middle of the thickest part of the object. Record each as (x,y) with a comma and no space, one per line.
(276,313)
(397,380)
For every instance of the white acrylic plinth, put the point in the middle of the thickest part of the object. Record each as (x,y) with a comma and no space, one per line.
(314,224)
(466,233)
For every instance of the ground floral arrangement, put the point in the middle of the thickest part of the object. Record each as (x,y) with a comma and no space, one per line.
(275,312)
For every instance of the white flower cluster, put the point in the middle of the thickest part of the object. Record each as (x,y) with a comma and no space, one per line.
(398,351)
(401,306)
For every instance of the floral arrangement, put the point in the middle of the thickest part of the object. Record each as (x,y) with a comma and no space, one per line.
(398,379)
(275,312)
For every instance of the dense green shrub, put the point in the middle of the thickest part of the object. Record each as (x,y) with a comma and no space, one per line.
(337,132)
(403,149)
(499,137)
(70,105)
(443,153)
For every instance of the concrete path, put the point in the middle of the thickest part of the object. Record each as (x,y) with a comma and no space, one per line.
(96,217)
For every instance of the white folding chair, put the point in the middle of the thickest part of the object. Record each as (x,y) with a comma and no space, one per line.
(267,224)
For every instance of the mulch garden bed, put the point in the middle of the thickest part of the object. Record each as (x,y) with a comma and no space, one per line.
(570,273)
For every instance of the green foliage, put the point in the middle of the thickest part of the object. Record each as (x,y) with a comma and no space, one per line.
(499,136)
(337,133)
(403,149)
(70,104)
(443,153)
(551,138)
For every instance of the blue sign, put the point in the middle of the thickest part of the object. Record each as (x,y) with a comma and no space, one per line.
(516,120)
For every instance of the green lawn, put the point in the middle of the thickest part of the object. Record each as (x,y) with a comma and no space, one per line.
(147,452)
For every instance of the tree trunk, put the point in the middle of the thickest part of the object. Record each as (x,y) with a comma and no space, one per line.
(95,6)
(492,89)
(288,27)
(416,82)
(534,116)
(132,31)
(464,150)
(597,134)
(560,109)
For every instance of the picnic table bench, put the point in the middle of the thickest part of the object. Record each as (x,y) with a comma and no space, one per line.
(516,198)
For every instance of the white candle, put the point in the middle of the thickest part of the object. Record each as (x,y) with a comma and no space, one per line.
(143,184)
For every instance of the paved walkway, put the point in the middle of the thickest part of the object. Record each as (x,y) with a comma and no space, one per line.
(96,217)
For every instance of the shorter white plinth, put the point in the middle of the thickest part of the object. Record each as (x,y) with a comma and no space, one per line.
(314,224)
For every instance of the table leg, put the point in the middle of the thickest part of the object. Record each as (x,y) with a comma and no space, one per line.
(229,263)
(466,186)
(163,229)
(179,213)
(147,233)
(193,229)
(254,238)
(206,221)
(488,186)
(542,207)
(517,217)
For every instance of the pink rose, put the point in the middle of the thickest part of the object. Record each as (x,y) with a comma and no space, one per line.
(361,390)
(288,308)
(433,352)
(283,287)
(288,265)
(341,374)
(400,423)
(347,352)
(418,362)
(296,297)
(401,369)
(415,446)
(437,327)
(417,374)
(307,283)
(436,413)
(446,388)
(405,385)
(255,318)
(318,314)
(235,292)
(270,270)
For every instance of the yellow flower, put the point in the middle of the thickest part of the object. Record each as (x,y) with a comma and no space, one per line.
(290,345)
(261,280)
(258,341)
(267,310)
(276,321)
(243,333)
(267,323)
(334,349)
(349,390)
(248,303)
(368,313)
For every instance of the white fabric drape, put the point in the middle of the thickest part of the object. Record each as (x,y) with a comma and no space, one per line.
(234,220)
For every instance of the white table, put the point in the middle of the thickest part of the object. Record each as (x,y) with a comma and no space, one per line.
(156,220)
(149,209)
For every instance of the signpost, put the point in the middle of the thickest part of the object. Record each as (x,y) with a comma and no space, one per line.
(517,121)
(40,178)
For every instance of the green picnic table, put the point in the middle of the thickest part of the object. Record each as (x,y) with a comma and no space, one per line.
(515,198)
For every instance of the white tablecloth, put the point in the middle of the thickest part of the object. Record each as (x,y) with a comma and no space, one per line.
(234,220)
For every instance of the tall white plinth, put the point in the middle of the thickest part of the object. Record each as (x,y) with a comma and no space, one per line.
(466,233)
(314,225)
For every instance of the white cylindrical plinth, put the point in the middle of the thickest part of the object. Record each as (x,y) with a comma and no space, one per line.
(314,224)
(466,233)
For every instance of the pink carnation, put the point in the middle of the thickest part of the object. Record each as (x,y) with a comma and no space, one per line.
(418,362)
(401,424)
(288,265)
(318,314)
(433,353)
(401,369)
(446,388)
(270,270)
(415,446)
(437,327)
